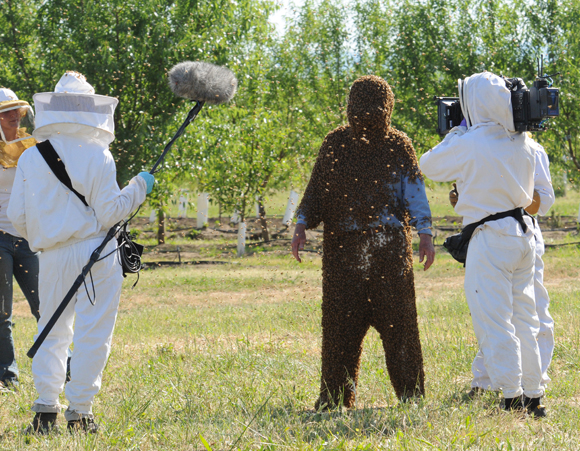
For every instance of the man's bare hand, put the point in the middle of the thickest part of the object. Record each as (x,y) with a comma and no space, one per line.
(426,249)
(298,240)
(534,207)
(453,196)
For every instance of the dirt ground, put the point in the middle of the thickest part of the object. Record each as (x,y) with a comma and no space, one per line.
(201,250)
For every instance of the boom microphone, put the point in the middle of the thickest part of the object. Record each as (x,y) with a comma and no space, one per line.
(203,82)
(197,81)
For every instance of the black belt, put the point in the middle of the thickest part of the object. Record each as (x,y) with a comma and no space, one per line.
(458,244)
(517,213)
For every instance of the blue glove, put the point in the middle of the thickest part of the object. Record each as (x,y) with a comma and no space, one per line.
(149,179)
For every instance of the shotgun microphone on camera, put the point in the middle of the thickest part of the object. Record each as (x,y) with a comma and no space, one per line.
(203,82)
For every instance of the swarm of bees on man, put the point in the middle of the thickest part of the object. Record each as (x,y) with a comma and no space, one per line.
(367,265)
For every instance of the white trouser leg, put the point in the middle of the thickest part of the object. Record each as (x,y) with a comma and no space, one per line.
(546,334)
(49,363)
(93,324)
(545,337)
(499,291)
(480,376)
(527,325)
(93,333)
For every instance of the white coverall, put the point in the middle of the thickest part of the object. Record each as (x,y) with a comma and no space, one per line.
(494,169)
(57,223)
(543,185)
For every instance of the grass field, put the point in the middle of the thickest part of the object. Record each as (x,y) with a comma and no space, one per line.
(228,357)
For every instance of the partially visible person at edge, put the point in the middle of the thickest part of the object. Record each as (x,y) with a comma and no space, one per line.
(16,258)
(79,126)
(367,189)
(543,200)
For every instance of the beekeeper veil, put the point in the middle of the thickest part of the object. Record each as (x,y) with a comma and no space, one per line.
(486,101)
(74,109)
(16,125)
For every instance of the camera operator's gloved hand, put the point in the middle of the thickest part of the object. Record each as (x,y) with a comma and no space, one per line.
(149,179)
(453,196)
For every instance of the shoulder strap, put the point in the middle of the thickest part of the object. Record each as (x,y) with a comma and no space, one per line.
(57,166)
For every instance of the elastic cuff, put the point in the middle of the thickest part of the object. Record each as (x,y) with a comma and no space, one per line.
(45,408)
(512,393)
(73,415)
(534,393)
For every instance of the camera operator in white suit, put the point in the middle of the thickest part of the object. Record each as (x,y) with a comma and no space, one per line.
(543,200)
(80,127)
(493,166)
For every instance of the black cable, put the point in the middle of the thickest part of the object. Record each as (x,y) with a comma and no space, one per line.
(129,253)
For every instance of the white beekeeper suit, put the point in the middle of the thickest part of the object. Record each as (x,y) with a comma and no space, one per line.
(80,126)
(494,169)
(543,186)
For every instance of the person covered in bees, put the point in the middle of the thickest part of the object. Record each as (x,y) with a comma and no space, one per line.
(16,258)
(367,189)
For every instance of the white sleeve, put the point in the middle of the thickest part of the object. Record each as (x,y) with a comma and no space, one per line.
(16,208)
(110,203)
(543,181)
(442,163)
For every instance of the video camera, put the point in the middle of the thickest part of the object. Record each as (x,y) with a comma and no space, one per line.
(531,107)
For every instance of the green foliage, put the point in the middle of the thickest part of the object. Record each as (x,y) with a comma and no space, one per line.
(125,49)
(193,234)
(293,87)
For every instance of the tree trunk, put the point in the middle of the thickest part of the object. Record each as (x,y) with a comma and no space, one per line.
(571,149)
(161,225)
(263,222)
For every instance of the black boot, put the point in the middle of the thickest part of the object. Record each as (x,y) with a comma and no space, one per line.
(513,404)
(476,392)
(43,423)
(85,424)
(534,407)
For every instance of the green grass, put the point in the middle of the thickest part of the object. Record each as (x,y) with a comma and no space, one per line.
(204,352)
(208,357)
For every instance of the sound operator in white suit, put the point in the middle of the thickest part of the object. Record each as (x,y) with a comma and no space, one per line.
(80,126)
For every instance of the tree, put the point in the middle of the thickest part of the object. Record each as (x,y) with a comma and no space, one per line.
(125,48)
(552,29)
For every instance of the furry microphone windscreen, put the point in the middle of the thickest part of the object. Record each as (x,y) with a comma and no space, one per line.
(203,82)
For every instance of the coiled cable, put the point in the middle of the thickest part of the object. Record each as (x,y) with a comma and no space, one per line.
(129,252)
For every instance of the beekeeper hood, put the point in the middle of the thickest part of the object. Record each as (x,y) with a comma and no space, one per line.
(74,109)
(16,125)
(485,100)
